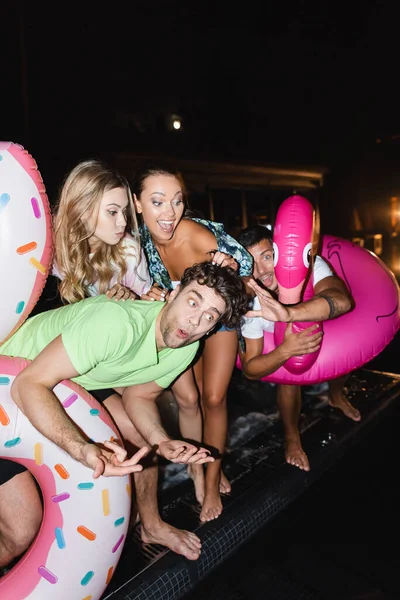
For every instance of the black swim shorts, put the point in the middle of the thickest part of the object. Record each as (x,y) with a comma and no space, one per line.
(101,395)
(8,470)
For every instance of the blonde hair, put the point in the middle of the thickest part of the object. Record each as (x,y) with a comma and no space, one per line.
(79,202)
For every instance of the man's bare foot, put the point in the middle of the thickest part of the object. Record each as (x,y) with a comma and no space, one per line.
(196,473)
(224,485)
(212,505)
(178,540)
(295,455)
(344,405)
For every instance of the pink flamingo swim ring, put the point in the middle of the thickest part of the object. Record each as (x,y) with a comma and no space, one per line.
(352,339)
(293,240)
(85,520)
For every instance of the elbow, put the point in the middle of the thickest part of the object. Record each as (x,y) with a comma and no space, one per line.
(249,375)
(348,305)
(16,392)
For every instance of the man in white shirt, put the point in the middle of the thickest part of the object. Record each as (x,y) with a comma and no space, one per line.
(330,301)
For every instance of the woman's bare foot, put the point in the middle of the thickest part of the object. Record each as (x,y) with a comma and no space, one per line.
(224,485)
(196,473)
(212,505)
(178,540)
(344,405)
(295,455)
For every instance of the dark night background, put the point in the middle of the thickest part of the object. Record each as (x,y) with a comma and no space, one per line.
(283,83)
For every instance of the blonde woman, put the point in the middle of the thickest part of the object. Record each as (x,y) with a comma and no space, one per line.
(94,253)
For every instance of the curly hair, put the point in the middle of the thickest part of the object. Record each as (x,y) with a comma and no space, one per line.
(228,285)
(78,202)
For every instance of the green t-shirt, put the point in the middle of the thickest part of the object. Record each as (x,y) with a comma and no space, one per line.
(110,344)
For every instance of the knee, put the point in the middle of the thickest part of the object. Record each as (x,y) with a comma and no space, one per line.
(190,402)
(212,401)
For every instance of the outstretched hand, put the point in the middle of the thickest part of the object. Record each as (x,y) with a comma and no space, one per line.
(178,451)
(120,292)
(271,309)
(111,460)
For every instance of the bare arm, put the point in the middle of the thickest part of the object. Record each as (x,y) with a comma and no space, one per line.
(32,392)
(255,364)
(330,301)
(140,404)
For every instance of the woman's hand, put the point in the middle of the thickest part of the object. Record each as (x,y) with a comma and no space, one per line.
(120,292)
(224,260)
(155,293)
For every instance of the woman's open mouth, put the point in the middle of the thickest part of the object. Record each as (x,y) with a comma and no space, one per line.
(166,226)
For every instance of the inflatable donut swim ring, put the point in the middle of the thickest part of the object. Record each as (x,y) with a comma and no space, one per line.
(357,337)
(85,520)
(25,236)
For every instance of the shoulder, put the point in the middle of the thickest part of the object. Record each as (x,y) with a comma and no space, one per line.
(130,245)
(319,261)
(321,269)
(190,226)
(103,311)
(197,235)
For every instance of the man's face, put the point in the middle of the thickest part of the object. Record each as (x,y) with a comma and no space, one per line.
(189,315)
(263,268)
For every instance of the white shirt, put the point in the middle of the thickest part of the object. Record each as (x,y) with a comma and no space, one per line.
(253,328)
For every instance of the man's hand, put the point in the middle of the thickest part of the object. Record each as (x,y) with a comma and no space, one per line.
(120,292)
(271,309)
(305,342)
(111,462)
(178,451)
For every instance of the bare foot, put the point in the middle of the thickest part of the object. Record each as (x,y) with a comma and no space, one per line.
(295,455)
(212,505)
(224,485)
(344,405)
(196,473)
(178,540)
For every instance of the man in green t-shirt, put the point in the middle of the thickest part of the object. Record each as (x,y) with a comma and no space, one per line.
(138,348)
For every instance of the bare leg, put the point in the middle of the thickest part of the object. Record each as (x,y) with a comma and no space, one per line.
(218,361)
(337,399)
(20,516)
(289,405)
(224,485)
(190,423)
(153,529)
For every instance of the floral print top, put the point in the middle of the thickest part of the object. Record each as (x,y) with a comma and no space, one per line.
(226,243)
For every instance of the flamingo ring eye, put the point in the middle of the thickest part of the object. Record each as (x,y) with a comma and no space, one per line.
(276,253)
(307,255)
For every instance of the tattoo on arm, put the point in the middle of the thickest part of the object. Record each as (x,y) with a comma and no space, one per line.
(333,310)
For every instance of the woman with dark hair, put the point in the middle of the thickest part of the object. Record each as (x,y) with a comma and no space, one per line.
(173,240)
